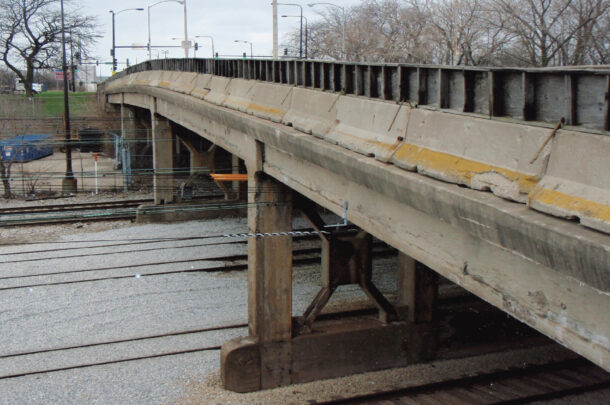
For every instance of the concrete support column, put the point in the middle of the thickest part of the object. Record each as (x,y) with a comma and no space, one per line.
(163,161)
(269,260)
(264,359)
(418,293)
(129,127)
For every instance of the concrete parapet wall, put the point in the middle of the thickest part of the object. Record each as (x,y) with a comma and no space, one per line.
(270,101)
(313,112)
(201,88)
(476,152)
(239,94)
(217,90)
(373,128)
(577,181)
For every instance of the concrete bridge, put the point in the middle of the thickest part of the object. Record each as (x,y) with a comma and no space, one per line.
(497,179)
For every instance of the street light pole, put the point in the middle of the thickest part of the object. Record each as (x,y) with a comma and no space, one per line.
(275,42)
(148,15)
(344,20)
(301,35)
(114,61)
(211,39)
(306,29)
(186,36)
(113,45)
(247,42)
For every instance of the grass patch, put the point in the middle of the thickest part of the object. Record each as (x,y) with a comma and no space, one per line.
(52,102)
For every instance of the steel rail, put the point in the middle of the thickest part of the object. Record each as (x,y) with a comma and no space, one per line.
(518,385)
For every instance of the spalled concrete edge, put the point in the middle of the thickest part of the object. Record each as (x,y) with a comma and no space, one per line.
(577,182)
(475,152)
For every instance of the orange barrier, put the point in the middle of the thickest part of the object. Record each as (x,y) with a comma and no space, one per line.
(229,177)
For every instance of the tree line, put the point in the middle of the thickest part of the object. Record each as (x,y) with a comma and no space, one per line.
(464,32)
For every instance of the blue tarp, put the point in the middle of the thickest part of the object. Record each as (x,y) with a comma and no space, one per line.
(24,148)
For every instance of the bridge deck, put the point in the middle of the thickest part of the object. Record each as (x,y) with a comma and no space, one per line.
(543,270)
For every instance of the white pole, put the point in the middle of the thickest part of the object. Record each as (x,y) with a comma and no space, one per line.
(186,36)
(275,41)
(149,52)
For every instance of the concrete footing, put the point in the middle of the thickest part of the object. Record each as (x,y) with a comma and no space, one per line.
(334,348)
(68,186)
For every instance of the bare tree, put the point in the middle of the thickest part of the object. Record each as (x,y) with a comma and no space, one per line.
(30,35)
(550,32)
(466,32)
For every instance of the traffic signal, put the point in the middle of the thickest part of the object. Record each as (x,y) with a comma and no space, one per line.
(114,64)
(196,46)
(75,68)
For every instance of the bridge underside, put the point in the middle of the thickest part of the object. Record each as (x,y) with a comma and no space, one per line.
(547,272)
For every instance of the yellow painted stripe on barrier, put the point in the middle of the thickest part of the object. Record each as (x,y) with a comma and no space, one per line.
(464,169)
(237,102)
(590,209)
(202,92)
(268,110)
(164,84)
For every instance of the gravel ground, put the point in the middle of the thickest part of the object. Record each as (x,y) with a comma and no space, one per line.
(60,309)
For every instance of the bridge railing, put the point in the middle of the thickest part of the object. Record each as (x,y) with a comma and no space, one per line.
(577,95)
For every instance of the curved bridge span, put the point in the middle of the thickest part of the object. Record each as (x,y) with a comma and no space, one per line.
(497,179)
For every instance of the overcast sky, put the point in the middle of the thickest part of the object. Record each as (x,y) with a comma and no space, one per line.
(224,20)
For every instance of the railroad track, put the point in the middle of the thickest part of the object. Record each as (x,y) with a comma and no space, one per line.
(70,213)
(515,386)
(238,262)
(73,207)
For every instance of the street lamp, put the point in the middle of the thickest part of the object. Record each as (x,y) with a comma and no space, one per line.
(343,33)
(148,13)
(114,62)
(211,39)
(247,42)
(306,25)
(301,36)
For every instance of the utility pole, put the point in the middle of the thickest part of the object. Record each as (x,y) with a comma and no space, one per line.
(68,184)
(275,41)
(187,43)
